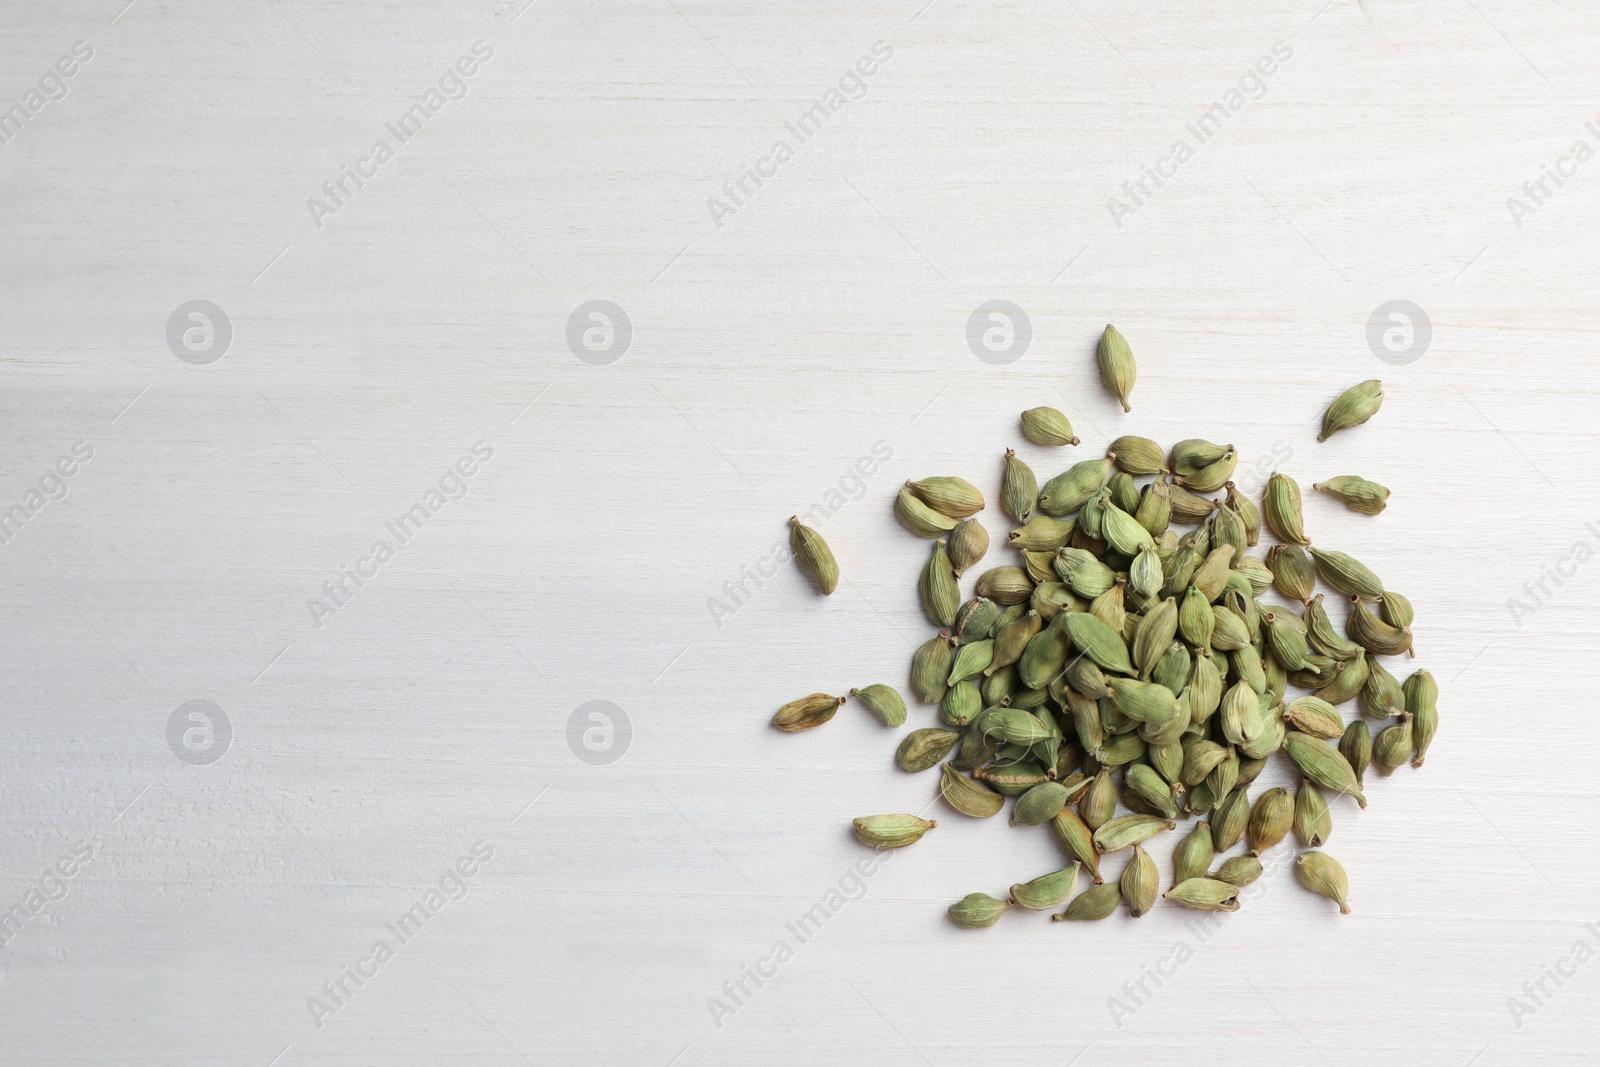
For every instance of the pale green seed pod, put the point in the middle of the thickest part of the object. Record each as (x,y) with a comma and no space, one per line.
(1375,635)
(1019,489)
(975,619)
(1323,637)
(924,748)
(1154,634)
(1347,679)
(1074,487)
(1312,820)
(1145,784)
(1323,875)
(1096,902)
(1188,507)
(1381,697)
(1212,575)
(883,701)
(930,668)
(1270,819)
(1193,856)
(1247,511)
(1255,573)
(1137,455)
(1191,455)
(937,587)
(1047,891)
(1422,700)
(1039,805)
(918,517)
(1286,639)
(975,911)
(1238,870)
(1352,407)
(1356,747)
(1099,642)
(969,542)
(971,659)
(1213,476)
(1205,894)
(1174,668)
(1200,759)
(1047,426)
(1346,574)
(812,555)
(1124,493)
(1117,368)
(1011,778)
(1042,533)
(1014,726)
(1291,572)
(1393,745)
(1110,607)
(1140,882)
(1323,764)
(1127,830)
(955,497)
(1155,507)
(891,831)
(1229,819)
(1004,585)
(1143,702)
(1144,573)
(1357,494)
(806,713)
(968,796)
(1396,610)
(1314,716)
(1123,532)
(1280,506)
(1099,802)
(1076,840)
(961,703)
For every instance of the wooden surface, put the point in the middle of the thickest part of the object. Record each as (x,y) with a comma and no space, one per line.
(827,315)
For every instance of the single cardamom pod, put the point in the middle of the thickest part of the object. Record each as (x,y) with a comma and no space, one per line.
(1355,493)
(884,702)
(971,659)
(1346,574)
(1123,532)
(955,497)
(1110,607)
(1042,533)
(1167,760)
(1352,407)
(1212,575)
(1074,487)
(1291,572)
(1004,585)
(1146,785)
(1323,637)
(1047,426)
(1314,716)
(1009,645)
(1205,894)
(1117,369)
(891,831)
(975,619)
(1155,507)
(961,703)
(1247,511)
(923,748)
(812,555)
(1019,489)
(1312,821)
(1323,875)
(976,911)
(1193,454)
(1039,566)
(1356,747)
(976,749)
(1138,455)
(937,587)
(1174,669)
(1124,492)
(1083,572)
(1238,870)
(1381,697)
(967,795)
(1227,528)
(1187,507)
(1099,803)
(1000,686)
(1076,840)
(1143,702)
(1045,655)
(930,668)
(1270,819)
(1224,775)
(1193,856)
(969,542)
(1096,902)
(1393,745)
(1140,882)
(1422,701)
(1375,635)
(918,517)
(1286,638)
(1040,804)
(1099,642)
(1047,891)
(1213,476)
(1280,506)
(1229,819)
(1154,634)
(1200,759)
(1126,830)
(1347,680)
(1014,726)
(1323,764)
(1396,610)
(807,713)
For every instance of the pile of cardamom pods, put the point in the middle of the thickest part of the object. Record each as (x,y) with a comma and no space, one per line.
(1123,664)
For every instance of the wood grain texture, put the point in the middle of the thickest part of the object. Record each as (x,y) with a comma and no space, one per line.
(826,316)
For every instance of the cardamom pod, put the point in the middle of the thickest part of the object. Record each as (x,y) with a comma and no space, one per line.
(1396,610)
(1193,856)
(1381,697)
(806,713)
(1270,819)
(1124,492)
(1138,455)
(1019,489)
(1192,455)
(1280,506)
(884,702)
(812,555)
(1117,369)
(1074,487)
(1422,701)
(976,911)
(1312,820)
(1375,635)
(1205,894)
(1347,679)
(1314,716)
(1355,493)
(1123,532)
(1140,882)
(1039,805)
(1247,511)
(969,542)
(1076,840)
(1352,407)
(961,703)
(1323,764)
(1099,642)
(1047,426)
(971,660)
(1004,585)
(937,587)
(1323,875)
(930,668)
(975,619)
(1346,574)
(918,517)
(1213,476)
(1047,891)
(1145,784)
(1154,634)
(923,748)
(1393,745)
(1188,508)
(1154,511)
(1126,830)
(955,497)
(1099,802)
(1212,575)
(1042,533)
(967,795)
(1229,819)
(1291,572)
(1356,747)
(1238,870)
(891,831)
(1323,637)
(1096,902)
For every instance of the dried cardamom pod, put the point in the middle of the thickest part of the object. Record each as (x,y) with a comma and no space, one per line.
(1124,492)
(884,702)
(976,911)
(1347,679)
(1123,532)
(1323,764)
(1323,637)
(1145,784)
(1291,572)
(1042,533)
(1422,701)
(961,703)
(1229,819)
(1193,856)
(806,713)
(930,668)
(1099,642)
(1314,716)
(1117,369)
(1188,508)
(955,497)
(1039,805)
(1004,585)
(1355,493)
(1019,489)
(969,542)
(971,659)
(1352,407)
(1154,511)
(1153,636)
(812,555)
(1140,882)
(968,796)
(1270,819)
(1205,894)
(1247,511)
(891,831)
(1096,902)
(923,748)
(1138,455)
(1076,840)
(1323,875)
(937,587)
(1074,487)
(975,619)
(1047,891)
(918,517)
(1346,574)
(1396,610)
(1213,476)
(1393,745)
(1280,506)
(1356,747)
(1238,870)
(1381,697)
(1312,821)
(1286,638)
(1375,635)
(1047,426)
(1126,830)
(1212,575)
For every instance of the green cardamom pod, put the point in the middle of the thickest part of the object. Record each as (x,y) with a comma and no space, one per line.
(1270,819)
(1076,840)
(930,668)
(1174,667)
(1323,637)
(1347,680)
(1323,875)
(1039,805)
(806,713)
(1352,407)
(1280,506)
(971,659)
(1042,533)
(1140,882)
(1047,891)
(1422,701)
(1227,528)
(1047,426)
(884,702)
(1039,566)
(1099,802)
(1212,575)
(1393,745)
(812,555)
(1213,476)
(1138,455)
(961,703)
(1286,638)
(1381,697)
(923,748)
(1355,493)
(1291,572)
(955,497)
(1238,870)
(1229,819)
(1144,783)
(1247,511)
(1356,747)
(1009,645)
(1396,610)
(1312,821)
(1192,455)
(1323,764)
(1019,489)
(975,619)
(1205,894)
(1124,491)
(1074,487)
(1096,902)
(1314,716)
(1187,507)
(1154,634)
(1193,856)
(1014,726)
(937,587)
(918,517)
(1346,574)
(976,911)
(1375,635)
(968,796)
(969,542)
(1126,830)
(1123,532)
(1013,778)
(1110,607)
(1004,585)
(891,831)
(1099,642)
(976,749)
(1117,369)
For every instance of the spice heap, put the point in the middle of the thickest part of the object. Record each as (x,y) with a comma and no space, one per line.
(1122,664)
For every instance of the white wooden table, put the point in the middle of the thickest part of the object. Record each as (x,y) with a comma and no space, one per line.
(402,746)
